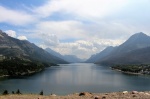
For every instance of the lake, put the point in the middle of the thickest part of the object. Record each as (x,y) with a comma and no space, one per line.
(76,77)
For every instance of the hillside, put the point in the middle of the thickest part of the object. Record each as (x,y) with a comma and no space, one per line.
(20,57)
(130,52)
(21,48)
(100,55)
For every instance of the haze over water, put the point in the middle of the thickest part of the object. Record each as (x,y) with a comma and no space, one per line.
(77,77)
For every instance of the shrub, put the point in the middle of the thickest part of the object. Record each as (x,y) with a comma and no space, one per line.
(5,92)
(18,92)
(41,93)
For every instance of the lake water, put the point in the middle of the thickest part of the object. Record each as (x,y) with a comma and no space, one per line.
(77,77)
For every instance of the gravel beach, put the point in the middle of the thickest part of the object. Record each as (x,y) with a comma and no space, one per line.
(85,95)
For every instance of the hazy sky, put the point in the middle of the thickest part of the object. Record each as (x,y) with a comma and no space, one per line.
(76,27)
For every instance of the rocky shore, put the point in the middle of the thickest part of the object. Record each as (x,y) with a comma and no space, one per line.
(85,95)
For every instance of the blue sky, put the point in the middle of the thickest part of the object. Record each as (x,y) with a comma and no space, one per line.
(75,27)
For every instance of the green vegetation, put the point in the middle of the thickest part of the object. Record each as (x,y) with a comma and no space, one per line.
(18,92)
(142,69)
(5,92)
(41,93)
(14,66)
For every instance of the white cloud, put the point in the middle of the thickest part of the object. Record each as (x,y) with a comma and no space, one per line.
(84,48)
(49,39)
(63,29)
(82,8)
(15,17)
(22,38)
(11,33)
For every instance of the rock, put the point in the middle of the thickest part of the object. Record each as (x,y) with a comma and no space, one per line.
(147,94)
(124,92)
(53,95)
(134,92)
(141,93)
(134,96)
(96,97)
(85,94)
(104,97)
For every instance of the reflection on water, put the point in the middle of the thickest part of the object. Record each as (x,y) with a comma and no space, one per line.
(77,77)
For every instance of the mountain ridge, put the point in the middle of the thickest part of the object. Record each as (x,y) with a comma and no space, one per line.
(68,58)
(22,48)
(122,53)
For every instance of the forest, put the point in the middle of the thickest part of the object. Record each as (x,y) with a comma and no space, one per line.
(141,69)
(14,66)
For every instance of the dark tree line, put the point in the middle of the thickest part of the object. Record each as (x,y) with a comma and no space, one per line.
(17,66)
(133,68)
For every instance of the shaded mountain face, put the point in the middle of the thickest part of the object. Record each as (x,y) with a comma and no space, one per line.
(100,55)
(54,53)
(127,52)
(68,58)
(139,56)
(24,49)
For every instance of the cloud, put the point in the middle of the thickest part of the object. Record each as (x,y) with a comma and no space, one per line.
(83,48)
(15,17)
(49,39)
(11,33)
(82,8)
(22,38)
(63,29)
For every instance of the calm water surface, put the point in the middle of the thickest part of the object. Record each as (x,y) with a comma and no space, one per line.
(77,77)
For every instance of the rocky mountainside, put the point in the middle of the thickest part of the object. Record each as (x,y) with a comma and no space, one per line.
(68,58)
(130,52)
(24,49)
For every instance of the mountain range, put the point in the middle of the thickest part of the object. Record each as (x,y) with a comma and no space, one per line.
(12,47)
(68,58)
(135,50)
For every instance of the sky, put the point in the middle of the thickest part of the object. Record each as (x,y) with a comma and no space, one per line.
(74,27)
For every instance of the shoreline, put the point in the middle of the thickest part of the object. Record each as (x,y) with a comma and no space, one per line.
(127,72)
(83,95)
(23,74)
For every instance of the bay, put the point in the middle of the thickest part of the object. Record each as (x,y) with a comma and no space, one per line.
(74,78)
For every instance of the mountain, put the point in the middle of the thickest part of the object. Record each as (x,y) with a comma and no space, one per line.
(128,52)
(72,59)
(100,55)
(12,47)
(54,53)
(68,58)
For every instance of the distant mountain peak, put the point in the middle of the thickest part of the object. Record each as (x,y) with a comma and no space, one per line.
(139,35)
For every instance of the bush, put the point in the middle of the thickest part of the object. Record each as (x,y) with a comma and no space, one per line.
(18,92)
(41,93)
(5,92)
(13,92)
